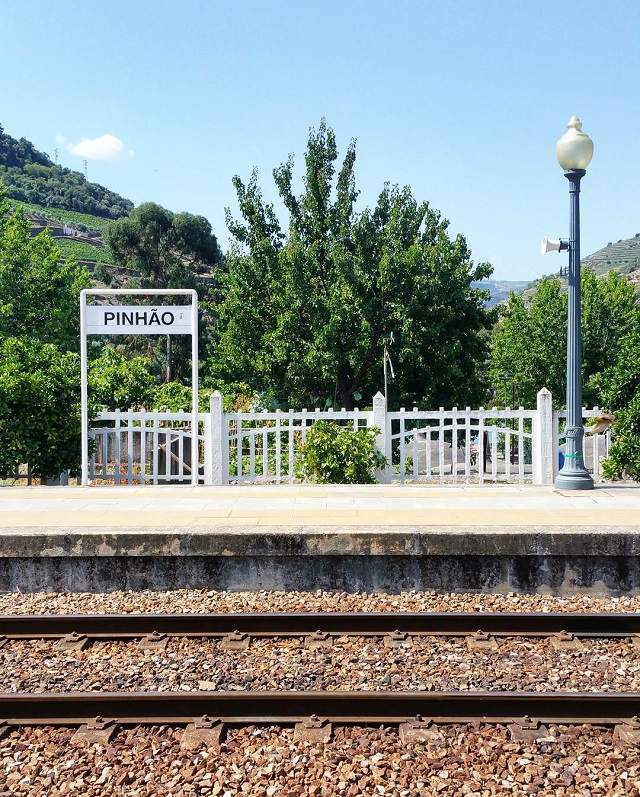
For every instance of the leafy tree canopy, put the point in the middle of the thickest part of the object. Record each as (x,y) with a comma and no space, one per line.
(117,382)
(620,387)
(38,294)
(169,249)
(39,408)
(20,153)
(531,341)
(307,306)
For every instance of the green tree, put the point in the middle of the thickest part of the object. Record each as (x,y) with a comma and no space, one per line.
(305,310)
(620,386)
(610,311)
(530,342)
(117,382)
(39,295)
(39,408)
(169,250)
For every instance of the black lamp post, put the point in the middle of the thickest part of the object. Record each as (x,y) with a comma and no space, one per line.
(574,152)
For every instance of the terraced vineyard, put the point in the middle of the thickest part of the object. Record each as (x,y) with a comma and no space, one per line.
(84,251)
(66,216)
(89,247)
(623,256)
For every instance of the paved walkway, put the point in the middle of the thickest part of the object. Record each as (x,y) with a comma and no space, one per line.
(416,506)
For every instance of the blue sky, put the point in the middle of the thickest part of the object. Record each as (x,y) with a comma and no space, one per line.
(463,100)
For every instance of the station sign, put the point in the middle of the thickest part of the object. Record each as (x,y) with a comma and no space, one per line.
(138,320)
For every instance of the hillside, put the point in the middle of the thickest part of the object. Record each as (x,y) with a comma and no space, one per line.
(623,257)
(500,289)
(31,177)
(75,211)
(84,237)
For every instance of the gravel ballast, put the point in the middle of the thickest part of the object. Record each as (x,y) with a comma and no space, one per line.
(265,601)
(480,761)
(352,663)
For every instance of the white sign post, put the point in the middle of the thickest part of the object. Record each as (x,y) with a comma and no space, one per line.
(138,320)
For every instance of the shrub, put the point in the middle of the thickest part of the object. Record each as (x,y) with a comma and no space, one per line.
(624,453)
(621,395)
(101,274)
(176,397)
(117,382)
(39,408)
(335,455)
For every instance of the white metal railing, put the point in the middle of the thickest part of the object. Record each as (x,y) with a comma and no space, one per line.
(143,447)
(264,446)
(442,446)
(461,445)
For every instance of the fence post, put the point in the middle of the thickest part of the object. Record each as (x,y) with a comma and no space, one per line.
(379,419)
(543,440)
(216,440)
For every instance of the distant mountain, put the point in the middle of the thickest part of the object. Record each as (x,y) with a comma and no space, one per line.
(30,176)
(500,289)
(623,257)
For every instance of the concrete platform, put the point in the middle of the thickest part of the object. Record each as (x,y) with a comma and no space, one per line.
(365,537)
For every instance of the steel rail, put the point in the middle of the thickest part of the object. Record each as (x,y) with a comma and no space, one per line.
(132,626)
(241,708)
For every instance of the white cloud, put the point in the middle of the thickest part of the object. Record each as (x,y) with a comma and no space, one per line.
(103,148)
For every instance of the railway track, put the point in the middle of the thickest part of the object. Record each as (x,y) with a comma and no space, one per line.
(313,712)
(133,708)
(125,627)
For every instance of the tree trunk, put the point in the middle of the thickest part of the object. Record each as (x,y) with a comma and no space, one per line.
(345,393)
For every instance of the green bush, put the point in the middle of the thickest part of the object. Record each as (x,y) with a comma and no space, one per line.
(335,455)
(176,397)
(624,453)
(116,382)
(100,274)
(39,408)
(621,395)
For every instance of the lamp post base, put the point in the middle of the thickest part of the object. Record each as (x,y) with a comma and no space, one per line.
(574,481)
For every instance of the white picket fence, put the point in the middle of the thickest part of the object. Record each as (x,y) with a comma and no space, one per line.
(441,446)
